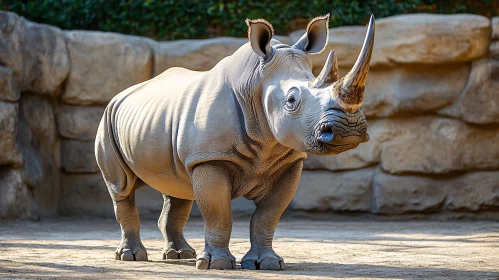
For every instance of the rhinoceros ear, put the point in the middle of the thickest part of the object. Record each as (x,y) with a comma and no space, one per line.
(260,33)
(315,39)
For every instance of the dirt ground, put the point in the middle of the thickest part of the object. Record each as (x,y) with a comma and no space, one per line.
(84,248)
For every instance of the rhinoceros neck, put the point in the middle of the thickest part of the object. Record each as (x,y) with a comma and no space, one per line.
(243,75)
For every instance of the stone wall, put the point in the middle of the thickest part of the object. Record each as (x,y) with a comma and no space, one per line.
(432,103)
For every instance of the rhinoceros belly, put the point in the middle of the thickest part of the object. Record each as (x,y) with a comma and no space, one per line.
(146,127)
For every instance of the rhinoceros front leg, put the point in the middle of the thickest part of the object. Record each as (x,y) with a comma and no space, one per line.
(269,208)
(212,190)
(171,223)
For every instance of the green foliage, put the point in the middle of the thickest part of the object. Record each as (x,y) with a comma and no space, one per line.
(170,19)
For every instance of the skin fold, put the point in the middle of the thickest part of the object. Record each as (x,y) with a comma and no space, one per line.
(240,129)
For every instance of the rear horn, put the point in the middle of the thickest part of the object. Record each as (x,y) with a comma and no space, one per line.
(329,73)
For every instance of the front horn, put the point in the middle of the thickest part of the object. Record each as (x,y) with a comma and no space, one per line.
(355,80)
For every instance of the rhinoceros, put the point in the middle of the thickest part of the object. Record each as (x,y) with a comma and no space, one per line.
(242,128)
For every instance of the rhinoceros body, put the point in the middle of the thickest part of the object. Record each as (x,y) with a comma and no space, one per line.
(161,129)
(240,129)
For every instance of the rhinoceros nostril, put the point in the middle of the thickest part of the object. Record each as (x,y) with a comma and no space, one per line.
(327,126)
(326,136)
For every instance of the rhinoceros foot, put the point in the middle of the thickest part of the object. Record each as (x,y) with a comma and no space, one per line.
(262,259)
(216,259)
(131,251)
(172,254)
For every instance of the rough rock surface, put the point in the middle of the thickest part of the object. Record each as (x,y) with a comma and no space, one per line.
(337,191)
(85,194)
(411,39)
(78,122)
(9,154)
(39,144)
(36,53)
(107,64)
(413,90)
(479,101)
(11,43)
(198,55)
(16,200)
(438,145)
(411,194)
(78,156)
(46,61)
(9,85)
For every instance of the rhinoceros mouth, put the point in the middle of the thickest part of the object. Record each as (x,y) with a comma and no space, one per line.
(338,132)
(323,149)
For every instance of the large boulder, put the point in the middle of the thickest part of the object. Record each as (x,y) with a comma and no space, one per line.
(431,39)
(411,39)
(479,101)
(406,194)
(36,53)
(39,144)
(336,191)
(417,194)
(419,145)
(9,154)
(46,60)
(9,85)
(410,90)
(78,157)
(104,64)
(439,145)
(78,122)
(16,200)
(199,55)
(473,192)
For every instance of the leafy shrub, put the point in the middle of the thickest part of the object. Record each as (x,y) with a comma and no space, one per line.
(170,19)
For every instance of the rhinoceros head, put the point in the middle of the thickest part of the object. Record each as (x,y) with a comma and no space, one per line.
(320,115)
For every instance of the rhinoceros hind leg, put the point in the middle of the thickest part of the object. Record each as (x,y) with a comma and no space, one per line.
(171,223)
(212,190)
(130,248)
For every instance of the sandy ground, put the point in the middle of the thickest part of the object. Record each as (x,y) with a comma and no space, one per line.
(76,248)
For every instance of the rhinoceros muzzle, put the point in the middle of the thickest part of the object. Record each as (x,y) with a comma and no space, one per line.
(343,128)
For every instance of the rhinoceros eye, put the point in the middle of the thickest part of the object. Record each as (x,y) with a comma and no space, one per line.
(292,99)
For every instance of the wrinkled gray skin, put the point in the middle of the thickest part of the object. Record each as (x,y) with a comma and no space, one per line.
(240,129)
